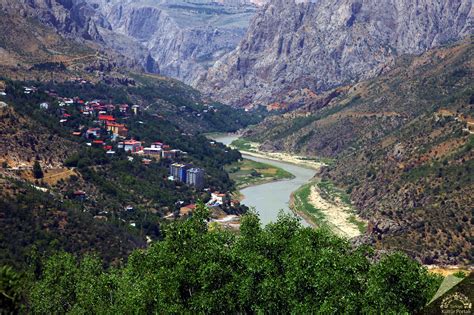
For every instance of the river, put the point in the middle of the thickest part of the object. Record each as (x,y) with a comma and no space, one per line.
(268,199)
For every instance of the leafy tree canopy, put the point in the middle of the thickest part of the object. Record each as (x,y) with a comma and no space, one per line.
(280,268)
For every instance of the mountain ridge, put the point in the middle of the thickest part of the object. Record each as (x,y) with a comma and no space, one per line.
(319,45)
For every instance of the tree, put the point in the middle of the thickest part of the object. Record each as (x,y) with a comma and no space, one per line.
(11,291)
(37,171)
(280,268)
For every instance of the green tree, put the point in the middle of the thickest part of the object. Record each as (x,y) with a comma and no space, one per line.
(280,268)
(37,171)
(11,291)
(399,284)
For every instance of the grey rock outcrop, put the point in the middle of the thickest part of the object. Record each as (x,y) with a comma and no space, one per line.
(322,44)
(183,37)
(177,38)
(74,17)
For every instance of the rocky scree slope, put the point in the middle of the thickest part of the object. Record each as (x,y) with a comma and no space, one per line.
(402,145)
(319,45)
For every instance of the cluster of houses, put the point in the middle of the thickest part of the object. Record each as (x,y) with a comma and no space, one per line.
(106,126)
(185,173)
(218,201)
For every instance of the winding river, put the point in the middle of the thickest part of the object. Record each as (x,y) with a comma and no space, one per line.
(268,199)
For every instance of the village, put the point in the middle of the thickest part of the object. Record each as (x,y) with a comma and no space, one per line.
(104,126)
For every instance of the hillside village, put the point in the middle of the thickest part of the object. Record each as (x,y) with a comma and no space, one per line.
(101,125)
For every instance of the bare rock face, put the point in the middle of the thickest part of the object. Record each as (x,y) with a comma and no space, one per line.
(177,38)
(72,17)
(292,45)
(183,38)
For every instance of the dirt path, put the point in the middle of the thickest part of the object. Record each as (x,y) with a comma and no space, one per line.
(336,214)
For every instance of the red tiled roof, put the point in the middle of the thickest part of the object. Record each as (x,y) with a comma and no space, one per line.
(106,117)
(129,142)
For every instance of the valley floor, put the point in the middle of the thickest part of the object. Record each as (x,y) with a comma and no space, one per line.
(318,203)
(248,173)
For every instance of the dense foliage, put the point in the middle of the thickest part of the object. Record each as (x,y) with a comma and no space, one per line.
(281,268)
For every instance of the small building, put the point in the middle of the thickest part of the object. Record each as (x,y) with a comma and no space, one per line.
(157,145)
(132,146)
(68,101)
(195,177)
(156,152)
(44,105)
(218,197)
(92,133)
(80,195)
(135,109)
(106,118)
(97,143)
(186,210)
(168,154)
(117,129)
(123,108)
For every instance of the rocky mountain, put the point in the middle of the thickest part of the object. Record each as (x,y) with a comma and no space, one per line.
(180,39)
(79,21)
(401,146)
(318,45)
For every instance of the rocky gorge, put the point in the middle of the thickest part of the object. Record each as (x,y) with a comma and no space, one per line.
(180,39)
(292,46)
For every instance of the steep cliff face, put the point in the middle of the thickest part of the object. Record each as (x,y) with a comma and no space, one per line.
(180,39)
(73,17)
(184,38)
(321,44)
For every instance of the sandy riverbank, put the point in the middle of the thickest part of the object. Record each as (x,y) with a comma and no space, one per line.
(284,157)
(336,214)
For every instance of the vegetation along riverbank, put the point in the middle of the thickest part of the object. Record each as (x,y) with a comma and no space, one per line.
(322,204)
